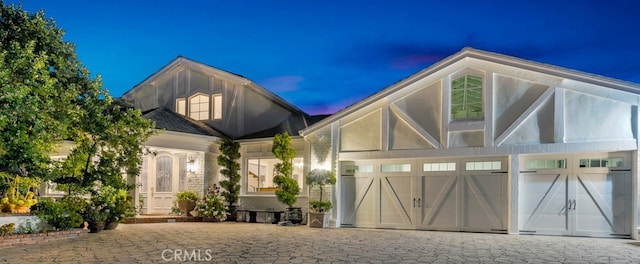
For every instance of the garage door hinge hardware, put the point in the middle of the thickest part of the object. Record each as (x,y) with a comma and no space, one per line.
(499,172)
(527,231)
(621,170)
(499,230)
(528,171)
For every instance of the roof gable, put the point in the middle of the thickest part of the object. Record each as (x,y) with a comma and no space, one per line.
(545,73)
(183,62)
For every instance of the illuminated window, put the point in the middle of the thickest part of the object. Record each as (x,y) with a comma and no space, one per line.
(164,174)
(199,107)
(546,164)
(466,98)
(395,168)
(602,163)
(439,166)
(483,165)
(217,106)
(351,169)
(261,171)
(181,106)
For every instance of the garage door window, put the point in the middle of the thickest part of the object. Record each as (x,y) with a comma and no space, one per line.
(546,164)
(483,165)
(351,169)
(396,168)
(602,163)
(440,166)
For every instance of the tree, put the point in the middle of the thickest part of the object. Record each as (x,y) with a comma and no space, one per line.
(48,96)
(288,187)
(229,161)
(40,78)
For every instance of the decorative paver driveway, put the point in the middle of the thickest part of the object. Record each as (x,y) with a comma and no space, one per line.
(264,243)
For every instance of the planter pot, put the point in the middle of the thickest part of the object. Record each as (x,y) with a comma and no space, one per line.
(293,215)
(22,209)
(320,220)
(95,227)
(111,226)
(231,214)
(186,207)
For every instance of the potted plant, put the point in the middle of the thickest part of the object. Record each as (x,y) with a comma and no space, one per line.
(319,209)
(18,198)
(118,206)
(288,188)
(230,166)
(95,215)
(187,202)
(212,207)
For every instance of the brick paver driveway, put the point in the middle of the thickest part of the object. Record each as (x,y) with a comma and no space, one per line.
(264,243)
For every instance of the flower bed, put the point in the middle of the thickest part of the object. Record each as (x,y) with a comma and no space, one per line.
(27,239)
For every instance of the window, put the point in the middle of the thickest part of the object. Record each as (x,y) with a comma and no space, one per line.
(395,168)
(217,106)
(466,98)
(199,107)
(351,169)
(439,166)
(261,171)
(546,164)
(602,163)
(483,165)
(181,106)
(164,174)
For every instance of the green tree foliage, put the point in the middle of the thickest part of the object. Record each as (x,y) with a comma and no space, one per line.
(229,161)
(40,78)
(47,96)
(288,187)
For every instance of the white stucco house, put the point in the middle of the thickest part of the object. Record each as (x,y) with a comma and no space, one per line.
(478,142)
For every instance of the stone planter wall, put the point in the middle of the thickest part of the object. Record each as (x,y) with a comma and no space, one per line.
(27,239)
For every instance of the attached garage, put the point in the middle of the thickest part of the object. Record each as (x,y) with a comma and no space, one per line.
(483,142)
(450,195)
(576,195)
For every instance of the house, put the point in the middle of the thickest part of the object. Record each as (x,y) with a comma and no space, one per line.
(483,142)
(478,142)
(196,106)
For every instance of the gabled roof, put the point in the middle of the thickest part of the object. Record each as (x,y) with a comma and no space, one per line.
(291,125)
(222,74)
(469,52)
(171,121)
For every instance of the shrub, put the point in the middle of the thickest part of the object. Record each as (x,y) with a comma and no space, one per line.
(61,215)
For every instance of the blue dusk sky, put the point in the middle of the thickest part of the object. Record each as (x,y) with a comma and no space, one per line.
(325,55)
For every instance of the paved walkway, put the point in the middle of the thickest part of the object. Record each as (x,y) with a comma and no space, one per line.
(264,243)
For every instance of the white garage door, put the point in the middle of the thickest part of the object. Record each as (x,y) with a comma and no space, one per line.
(452,195)
(578,195)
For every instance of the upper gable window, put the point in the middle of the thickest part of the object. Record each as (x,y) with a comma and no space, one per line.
(217,106)
(199,107)
(466,98)
(181,106)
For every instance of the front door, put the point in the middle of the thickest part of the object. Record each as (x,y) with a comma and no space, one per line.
(579,195)
(160,181)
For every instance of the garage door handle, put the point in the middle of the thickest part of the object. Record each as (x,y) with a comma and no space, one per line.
(419,202)
(574,205)
(414,202)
